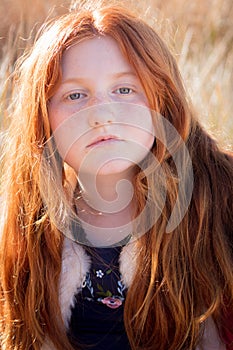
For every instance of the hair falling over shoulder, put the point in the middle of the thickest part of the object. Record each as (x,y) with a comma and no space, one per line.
(186,276)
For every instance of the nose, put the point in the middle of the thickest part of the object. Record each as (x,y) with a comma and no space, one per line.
(101,114)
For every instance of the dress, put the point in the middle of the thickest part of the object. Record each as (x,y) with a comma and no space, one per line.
(76,264)
(97,316)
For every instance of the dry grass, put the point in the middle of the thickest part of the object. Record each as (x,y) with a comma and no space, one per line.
(200,34)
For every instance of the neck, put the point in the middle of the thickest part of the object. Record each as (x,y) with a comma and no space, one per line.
(107,193)
(106,207)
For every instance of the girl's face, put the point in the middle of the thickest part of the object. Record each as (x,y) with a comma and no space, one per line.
(99,113)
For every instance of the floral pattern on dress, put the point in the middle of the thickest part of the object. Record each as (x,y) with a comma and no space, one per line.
(99,273)
(112,302)
(98,293)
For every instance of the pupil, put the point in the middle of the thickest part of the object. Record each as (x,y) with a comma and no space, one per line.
(124,90)
(74,96)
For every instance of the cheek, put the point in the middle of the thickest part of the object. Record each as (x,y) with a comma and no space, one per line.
(68,132)
(141,131)
(146,139)
(55,117)
(74,158)
(58,113)
(142,137)
(138,118)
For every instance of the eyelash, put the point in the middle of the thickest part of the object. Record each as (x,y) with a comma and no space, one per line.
(78,95)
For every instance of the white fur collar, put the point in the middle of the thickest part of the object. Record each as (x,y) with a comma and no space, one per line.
(76,263)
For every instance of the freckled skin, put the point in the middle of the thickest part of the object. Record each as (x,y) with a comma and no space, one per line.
(100,106)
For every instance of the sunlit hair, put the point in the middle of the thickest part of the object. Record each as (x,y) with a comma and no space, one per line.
(186,275)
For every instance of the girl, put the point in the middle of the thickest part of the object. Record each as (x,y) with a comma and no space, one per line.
(98,110)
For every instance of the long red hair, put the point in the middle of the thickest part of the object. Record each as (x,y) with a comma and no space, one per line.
(183,277)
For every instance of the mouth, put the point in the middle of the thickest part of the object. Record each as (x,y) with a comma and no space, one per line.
(103,140)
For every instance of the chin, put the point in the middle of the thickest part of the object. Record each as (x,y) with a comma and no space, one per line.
(114,167)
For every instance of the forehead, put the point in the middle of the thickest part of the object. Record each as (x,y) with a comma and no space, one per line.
(98,53)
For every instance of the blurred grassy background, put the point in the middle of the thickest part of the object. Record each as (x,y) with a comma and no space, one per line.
(200,34)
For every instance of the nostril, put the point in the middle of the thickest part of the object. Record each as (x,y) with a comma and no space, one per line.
(100,120)
(97,123)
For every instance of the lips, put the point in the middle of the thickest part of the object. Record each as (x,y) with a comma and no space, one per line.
(102,139)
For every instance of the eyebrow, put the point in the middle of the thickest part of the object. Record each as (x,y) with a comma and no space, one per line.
(114,75)
(122,74)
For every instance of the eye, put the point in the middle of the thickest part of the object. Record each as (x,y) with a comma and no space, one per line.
(124,91)
(75,96)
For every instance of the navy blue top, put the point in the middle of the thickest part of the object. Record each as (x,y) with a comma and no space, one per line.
(97,317)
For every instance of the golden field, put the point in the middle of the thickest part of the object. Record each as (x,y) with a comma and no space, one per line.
(199,32)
